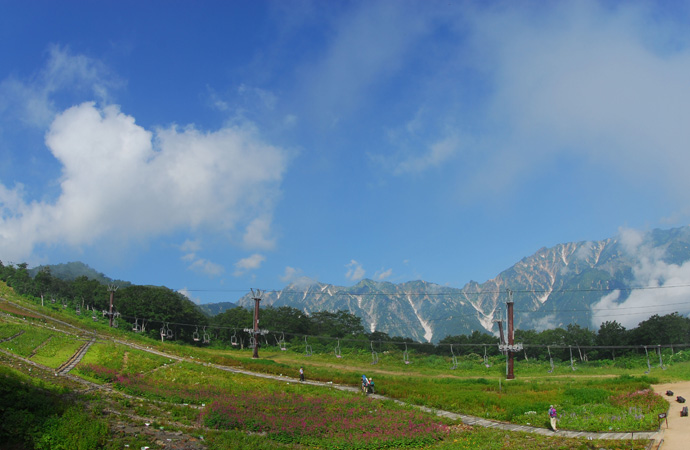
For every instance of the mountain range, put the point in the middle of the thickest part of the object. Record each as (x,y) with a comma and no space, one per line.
(626,278)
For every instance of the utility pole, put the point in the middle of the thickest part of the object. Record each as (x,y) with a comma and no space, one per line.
(257,298)
(510,347)
(111,288)
(511,337)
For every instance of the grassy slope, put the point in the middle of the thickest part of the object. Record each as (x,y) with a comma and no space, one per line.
(426,381)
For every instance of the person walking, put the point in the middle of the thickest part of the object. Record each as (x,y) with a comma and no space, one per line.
(301,374)
(553,416)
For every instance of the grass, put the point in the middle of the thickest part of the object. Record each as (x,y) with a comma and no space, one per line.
(261,413)
(24,344)
(55,351)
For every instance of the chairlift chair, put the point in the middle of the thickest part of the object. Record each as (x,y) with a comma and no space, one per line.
(550,359)
(661,362)
(195,335)
(582,358)
(455,359)
(307,347)
(169,332)
(337,350)
(374,355)
(572,364)
(207,337)
(487,364)
(233,338)
(282,342)
(136,328)
(406,355)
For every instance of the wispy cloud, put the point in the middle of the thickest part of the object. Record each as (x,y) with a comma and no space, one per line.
(250,263)
(190,248)
(188,294)
(30,100)
(649,271)
(295,277)
(290,274)
(355,271)
(383,274)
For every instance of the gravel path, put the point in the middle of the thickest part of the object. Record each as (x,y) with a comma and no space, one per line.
(676,432)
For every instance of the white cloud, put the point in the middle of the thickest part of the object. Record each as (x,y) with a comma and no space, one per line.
(526,87)
(31,101)
(258,234)
(191,246)
(383,274)
(659,282)
(355,271)
(206,267)
(588,80)
(117,185)
(252,262)
(433,156)
(290,274)
(188,294)
(294,277)
(542,323)
(368,46)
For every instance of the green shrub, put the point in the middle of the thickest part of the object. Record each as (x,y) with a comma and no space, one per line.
(74,430)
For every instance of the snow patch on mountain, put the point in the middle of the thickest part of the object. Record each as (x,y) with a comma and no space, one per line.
(428,331)
(487,320)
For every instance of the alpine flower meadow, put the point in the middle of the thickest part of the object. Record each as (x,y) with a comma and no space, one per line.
(344,423)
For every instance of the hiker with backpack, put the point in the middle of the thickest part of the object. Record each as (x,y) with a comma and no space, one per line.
(553,416)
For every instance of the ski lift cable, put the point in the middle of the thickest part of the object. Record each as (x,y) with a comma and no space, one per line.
(167,325)
(455,292)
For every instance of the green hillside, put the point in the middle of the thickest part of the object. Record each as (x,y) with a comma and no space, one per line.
(134,390)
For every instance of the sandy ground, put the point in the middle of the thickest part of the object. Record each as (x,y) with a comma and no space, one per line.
(677,435)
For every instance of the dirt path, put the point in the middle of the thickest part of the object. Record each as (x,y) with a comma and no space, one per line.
(677,435)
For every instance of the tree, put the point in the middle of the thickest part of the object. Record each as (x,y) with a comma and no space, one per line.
(160,305)
(43,282)
(662,330)
(231,322)
(285,319)
(578,336)
(338,324)
(612,334)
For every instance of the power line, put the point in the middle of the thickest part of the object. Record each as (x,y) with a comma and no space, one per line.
(457,291)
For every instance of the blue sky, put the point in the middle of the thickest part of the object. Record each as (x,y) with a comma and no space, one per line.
(215,147)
